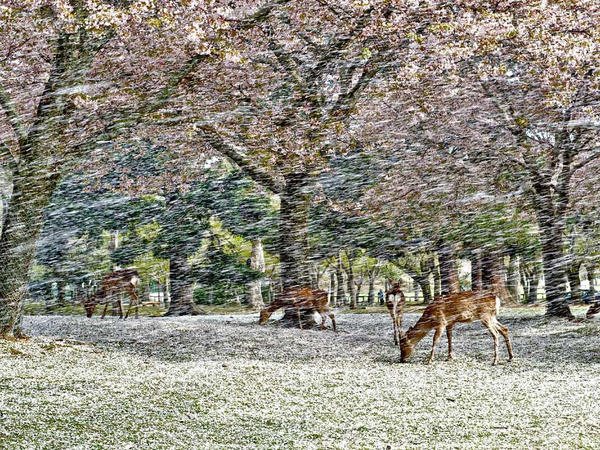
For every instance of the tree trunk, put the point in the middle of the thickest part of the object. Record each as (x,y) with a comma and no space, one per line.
(340,297)
(493,275)
(575,282)
(513,278)
(448,270)
(61,293)
(437,279)
(33,186)
(182,296)
(476,270)
(253,289)
(293,232)
(351,284)
(425,288)
(591,271)
(371,294)
(293,243)
(555,264)
(534,281)
(331,289)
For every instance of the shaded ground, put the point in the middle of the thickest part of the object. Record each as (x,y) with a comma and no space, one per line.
(224,382)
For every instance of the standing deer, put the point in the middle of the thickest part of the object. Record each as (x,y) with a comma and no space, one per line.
(445,312)
(394,300)
(115,283)
(301,297)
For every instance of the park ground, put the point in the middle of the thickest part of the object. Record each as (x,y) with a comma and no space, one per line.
(221,381)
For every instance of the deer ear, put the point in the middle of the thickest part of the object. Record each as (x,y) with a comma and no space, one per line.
(390,281)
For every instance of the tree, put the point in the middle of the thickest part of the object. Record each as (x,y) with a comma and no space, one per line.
(288,110)
(75,74)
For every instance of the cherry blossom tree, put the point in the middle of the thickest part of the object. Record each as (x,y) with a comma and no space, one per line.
(511,85)
(74,75)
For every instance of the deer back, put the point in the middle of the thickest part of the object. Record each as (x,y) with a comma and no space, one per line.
(465,306)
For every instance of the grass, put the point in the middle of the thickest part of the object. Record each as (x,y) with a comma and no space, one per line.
(224,382)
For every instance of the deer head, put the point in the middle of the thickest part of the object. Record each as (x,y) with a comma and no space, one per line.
(406,348)
(264,316)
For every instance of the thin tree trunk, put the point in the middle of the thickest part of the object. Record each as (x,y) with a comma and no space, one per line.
(61,286)
(591,271)
(437,279)
(448,270)
(534,282)
(350,281)
(525,282)
(476,270)
(425,285)
(182,298)
(513,277)
(340,298)
(371,293)
(253,289)
(575,282)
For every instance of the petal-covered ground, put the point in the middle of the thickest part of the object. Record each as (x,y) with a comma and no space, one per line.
(224,382)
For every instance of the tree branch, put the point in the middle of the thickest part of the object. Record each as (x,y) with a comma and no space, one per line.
(129,119)
(13,116)
(7,157)
(575,167)
(210,135)
(261,15)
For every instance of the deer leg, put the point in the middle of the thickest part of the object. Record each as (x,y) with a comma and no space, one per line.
(398,327)
(394,331)
(104,312)
(137,306)
(494,333)
(502,329)
(449,335)
(299,317)
(323,320)
(436,338)
(133,301)
(128,309)
(332,317)
(120,304)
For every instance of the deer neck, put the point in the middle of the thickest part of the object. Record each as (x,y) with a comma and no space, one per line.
(418,332)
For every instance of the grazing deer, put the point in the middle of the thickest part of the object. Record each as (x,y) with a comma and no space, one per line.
(594,309)
(444,312)
(115,283)
(394,300)
(301,297)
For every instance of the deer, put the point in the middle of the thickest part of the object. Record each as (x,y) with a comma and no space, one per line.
(114,283)
(593,310)
(446,311)
(394,300)
(301,297)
